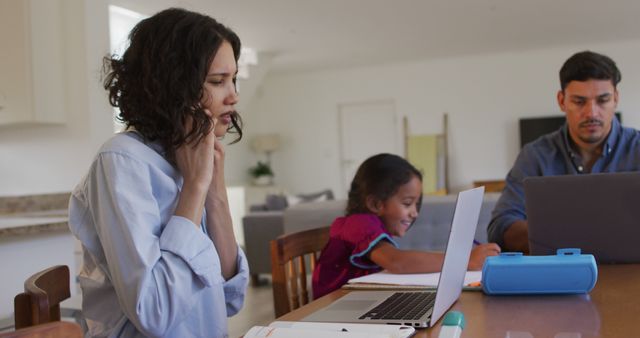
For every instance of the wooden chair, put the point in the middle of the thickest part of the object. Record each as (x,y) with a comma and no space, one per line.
(40,301)
(47,330)
(288,267)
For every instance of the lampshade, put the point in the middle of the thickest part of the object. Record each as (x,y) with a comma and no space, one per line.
(265,143)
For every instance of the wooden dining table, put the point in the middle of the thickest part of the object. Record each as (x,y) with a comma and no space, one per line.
(611,309)
(56,329)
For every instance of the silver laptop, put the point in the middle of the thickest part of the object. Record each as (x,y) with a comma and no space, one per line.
(422,308)
(598,213)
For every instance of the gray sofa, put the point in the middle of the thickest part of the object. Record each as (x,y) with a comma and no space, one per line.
(429,232)
(260,227)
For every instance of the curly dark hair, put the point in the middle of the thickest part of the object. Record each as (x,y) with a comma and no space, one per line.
(379,176)
(588,65)
(159,80)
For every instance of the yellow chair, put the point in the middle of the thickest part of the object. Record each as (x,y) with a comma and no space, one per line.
(288,267)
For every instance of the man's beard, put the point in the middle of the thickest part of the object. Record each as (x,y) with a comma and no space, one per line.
(590,138)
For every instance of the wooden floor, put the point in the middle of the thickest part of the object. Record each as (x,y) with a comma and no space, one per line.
(257,310)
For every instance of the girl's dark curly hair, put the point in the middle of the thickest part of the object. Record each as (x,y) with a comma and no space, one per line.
(159,80)
(380,176)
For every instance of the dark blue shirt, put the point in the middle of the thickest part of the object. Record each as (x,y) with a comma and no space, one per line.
(552,154)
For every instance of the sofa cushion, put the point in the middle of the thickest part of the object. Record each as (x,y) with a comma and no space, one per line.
(429,232)
(320,196)
(323,195)
(306,216)
(276,202)
(259,228)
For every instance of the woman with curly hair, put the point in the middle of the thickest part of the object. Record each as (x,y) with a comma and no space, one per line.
(160,256)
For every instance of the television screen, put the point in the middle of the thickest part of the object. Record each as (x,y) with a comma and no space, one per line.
(534,127)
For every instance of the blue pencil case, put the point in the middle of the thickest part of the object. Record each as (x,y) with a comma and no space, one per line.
(566,272)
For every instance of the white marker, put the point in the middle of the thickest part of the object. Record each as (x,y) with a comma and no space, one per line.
(452,325)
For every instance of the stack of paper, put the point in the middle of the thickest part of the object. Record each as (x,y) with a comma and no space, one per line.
(385,279)
(321,330)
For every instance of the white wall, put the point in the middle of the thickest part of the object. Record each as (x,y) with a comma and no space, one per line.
(22,256)
(485,95)
(42,158)
(38,158)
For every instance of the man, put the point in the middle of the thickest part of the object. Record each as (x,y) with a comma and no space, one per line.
(591,141)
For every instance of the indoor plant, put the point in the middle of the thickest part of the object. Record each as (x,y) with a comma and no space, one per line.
(261,173)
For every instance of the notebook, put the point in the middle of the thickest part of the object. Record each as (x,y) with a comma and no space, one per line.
(283,329)
(388,280)
(422,308)
(598,213)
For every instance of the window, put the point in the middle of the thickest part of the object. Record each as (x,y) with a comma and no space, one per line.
(121,22)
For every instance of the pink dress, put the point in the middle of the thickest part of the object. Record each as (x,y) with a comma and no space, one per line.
(346,255)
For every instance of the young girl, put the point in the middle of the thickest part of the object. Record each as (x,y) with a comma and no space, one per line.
(384,200)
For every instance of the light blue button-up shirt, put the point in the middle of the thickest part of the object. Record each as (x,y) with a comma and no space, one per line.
(147,272)
(552,154)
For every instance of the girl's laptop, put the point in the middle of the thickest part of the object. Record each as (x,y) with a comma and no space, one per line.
(597,213)
(423,308)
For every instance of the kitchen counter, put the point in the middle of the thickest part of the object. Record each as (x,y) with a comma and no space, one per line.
(34,234)
(33,223)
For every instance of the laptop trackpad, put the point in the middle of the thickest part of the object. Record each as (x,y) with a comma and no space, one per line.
(343,311)
(352,305)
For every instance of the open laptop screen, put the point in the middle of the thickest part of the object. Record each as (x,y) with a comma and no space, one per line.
(598,213)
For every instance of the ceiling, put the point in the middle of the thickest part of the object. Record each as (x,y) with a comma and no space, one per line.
(306,35)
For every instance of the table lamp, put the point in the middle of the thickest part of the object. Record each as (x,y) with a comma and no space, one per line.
(266,143)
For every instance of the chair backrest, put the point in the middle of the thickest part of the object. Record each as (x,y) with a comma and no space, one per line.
(40,301)
(289,270)
(48,330)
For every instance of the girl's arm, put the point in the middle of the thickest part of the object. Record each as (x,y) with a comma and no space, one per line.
(480,252)
(395,260)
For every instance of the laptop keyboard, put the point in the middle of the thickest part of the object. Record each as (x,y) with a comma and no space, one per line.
(403,306)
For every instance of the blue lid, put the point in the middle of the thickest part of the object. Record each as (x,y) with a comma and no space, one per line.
(511,254)
(454,318)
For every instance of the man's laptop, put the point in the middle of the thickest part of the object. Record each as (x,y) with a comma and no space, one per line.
(598,213)
(423,308)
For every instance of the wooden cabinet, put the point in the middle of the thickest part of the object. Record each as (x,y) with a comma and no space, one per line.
(32,75)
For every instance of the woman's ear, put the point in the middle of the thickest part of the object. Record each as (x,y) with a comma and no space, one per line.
(373,204)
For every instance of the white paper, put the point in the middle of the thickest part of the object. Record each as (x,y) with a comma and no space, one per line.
(280,329)
(417,279)
(394,331)
(282,332)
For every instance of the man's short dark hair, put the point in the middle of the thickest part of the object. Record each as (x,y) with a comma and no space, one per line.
(588,65)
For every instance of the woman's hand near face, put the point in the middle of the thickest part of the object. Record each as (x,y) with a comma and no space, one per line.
(196,161)
(217,181)
(219,224)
